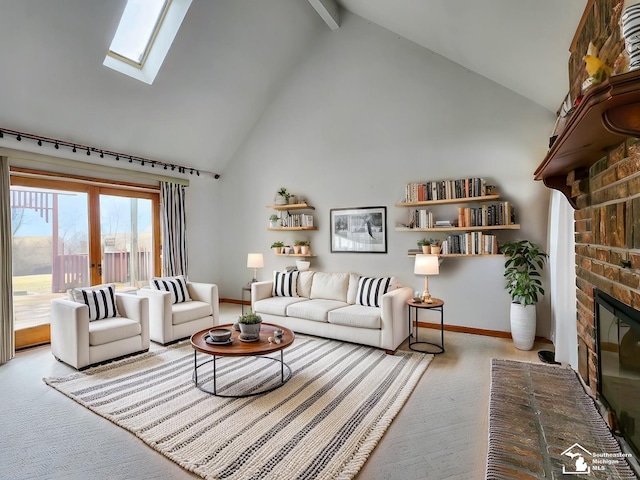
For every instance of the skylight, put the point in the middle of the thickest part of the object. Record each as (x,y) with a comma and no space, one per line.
(144,36)
(138,27)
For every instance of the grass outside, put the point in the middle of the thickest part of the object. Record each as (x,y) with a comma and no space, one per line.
(32,284)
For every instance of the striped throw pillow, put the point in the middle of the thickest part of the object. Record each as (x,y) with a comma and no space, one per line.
(101,301)
(285,284)
(371,290)
(177,286)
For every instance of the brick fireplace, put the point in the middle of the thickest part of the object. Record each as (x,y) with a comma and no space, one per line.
(607,223)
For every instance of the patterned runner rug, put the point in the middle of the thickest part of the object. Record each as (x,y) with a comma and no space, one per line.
(323,423)
(542,425)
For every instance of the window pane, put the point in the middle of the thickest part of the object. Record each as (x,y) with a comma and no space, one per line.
(137,26)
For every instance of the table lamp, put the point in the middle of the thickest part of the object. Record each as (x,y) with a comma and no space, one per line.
(426,265)
(255,261)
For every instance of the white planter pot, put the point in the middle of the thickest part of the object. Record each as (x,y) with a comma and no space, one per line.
(523,326)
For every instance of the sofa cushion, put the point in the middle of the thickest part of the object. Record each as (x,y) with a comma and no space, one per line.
(371,290)
(177,286)
(330,286)
(276,305)
(100,299)
(356,316)
(112,329)
(317,309)
(304,283)
(353,288)
(188,311)
(285,284)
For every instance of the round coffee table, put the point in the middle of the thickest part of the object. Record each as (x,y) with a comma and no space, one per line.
(238,348)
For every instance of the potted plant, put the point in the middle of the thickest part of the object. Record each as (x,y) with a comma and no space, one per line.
(282,197)
(435,246)
(425,244)
(273,221)
(250,324)
(277,247)
(304,247)
(522,273)
(297,246)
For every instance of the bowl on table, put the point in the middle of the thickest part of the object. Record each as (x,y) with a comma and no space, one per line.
(220,335)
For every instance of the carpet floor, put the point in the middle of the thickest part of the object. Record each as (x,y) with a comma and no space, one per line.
(323,423)
(543,425)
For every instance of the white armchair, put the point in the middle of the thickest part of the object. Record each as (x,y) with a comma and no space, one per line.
(170,322)
(81,343)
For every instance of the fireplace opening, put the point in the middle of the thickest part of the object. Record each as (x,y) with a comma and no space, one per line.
(618,349)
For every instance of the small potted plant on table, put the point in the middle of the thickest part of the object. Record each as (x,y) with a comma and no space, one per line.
(250,324)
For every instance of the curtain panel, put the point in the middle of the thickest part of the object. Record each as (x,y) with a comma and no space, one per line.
(7,339)
(174,229)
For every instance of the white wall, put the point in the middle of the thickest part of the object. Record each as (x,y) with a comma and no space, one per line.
(364,113)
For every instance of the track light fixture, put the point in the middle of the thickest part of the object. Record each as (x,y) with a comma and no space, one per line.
(74,148)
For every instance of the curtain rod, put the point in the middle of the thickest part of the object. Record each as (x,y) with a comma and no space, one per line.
(102,152)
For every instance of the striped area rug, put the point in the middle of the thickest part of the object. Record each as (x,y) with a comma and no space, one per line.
(322,424)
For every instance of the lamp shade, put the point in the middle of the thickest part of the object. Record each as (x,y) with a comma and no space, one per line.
(426,265)
(255,260)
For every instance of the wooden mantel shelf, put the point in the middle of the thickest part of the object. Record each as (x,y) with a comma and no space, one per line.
(608,113)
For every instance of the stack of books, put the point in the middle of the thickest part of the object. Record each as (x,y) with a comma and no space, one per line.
(445,189)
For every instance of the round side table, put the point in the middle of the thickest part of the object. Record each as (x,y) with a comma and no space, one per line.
(416,345)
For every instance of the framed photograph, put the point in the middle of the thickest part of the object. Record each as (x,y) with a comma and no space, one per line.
(359,230)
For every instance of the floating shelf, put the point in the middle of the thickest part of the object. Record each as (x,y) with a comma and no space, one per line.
(483,198)
(515,226)
(292,206)
(280,229)
(294,255)
(453,255)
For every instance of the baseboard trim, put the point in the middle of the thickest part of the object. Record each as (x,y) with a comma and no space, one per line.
(235,300)
(476,331)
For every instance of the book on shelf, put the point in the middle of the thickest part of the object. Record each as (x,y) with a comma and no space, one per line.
(298,220)
(470,243)
(445,189)
(420,218)
(501,213)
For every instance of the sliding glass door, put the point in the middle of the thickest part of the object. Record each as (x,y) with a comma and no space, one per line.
(76,234)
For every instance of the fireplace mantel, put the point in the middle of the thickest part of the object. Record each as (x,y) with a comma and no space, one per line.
(608,113)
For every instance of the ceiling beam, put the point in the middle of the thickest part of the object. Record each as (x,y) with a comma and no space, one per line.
(328,10)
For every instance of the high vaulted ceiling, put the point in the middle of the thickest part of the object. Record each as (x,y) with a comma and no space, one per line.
(231,57)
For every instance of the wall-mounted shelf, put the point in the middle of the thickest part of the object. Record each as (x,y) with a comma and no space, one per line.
(295,255)
(275,229)
(484,198)
(606,116)
(292,206)
(514,226)
(454,255)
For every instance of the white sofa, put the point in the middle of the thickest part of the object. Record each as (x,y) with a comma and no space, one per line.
(169,322)
(328,305)
(81,343)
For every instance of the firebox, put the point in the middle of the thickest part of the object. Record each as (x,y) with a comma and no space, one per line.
(618,349)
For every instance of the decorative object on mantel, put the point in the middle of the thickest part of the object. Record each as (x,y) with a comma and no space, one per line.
(426,265)
(598,70)
(631,32)
(524,285)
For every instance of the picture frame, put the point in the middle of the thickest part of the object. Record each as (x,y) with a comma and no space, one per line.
(359,230)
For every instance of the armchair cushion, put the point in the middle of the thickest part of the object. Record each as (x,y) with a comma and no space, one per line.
(100,299)
(187,311)
(113,329)
(177,286)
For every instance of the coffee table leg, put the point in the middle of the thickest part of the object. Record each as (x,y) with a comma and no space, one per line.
(195,367)
(215,391)
(281,366)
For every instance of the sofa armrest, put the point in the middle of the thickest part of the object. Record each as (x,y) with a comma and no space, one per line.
(395,323)
(159,312)
(136,308)
(208,293)
(260,291)
(70,332)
